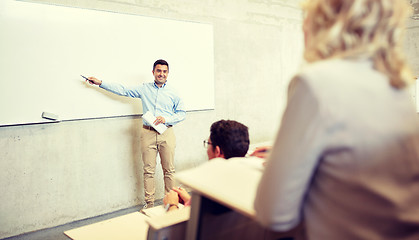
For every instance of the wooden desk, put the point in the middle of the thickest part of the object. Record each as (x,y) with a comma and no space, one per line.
(222,205)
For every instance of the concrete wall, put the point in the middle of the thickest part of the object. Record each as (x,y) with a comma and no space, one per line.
(53,174)
(412,45)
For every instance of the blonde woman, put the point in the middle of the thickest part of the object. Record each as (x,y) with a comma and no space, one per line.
(346,157)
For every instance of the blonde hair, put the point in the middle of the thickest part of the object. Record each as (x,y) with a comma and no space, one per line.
(359,28)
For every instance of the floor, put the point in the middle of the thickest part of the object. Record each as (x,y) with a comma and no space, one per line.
(57,233)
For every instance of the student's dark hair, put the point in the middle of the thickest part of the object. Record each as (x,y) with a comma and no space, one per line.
(231,137)
(161,62)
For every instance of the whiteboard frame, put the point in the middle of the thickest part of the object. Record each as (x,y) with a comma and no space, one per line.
(48,46)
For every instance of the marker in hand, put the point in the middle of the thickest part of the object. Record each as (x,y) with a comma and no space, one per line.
(87,79)
(261,152)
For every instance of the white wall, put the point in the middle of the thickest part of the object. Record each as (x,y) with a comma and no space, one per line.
(412,54)
(53,174)
(412,44)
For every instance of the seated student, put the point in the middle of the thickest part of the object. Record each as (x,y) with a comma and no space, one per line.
(228,138)
(346,156)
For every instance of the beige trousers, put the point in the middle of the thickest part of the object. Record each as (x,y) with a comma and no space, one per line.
(152,143)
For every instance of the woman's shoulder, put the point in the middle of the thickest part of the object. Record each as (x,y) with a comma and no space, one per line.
(338,71)
(336,66)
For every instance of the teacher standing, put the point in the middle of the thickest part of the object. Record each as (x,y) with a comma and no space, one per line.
(161,100)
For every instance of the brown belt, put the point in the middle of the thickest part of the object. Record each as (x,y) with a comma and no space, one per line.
(151,128)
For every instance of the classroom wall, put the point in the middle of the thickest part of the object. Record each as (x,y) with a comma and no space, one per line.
(57,173)
(412,45)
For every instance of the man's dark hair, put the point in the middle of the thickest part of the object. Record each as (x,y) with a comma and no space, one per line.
(161,62)
(231,136)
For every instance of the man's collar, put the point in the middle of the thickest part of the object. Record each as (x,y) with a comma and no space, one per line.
(155,84)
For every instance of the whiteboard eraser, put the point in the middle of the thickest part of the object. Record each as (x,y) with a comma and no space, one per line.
(50,116)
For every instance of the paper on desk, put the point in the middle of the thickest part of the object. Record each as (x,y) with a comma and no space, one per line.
(132,226)
(252,162)
(158,210)
(150,118)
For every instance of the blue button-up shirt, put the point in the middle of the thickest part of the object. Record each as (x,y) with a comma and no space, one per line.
(162,101)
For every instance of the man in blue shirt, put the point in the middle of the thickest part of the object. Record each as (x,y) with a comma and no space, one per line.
(164,103)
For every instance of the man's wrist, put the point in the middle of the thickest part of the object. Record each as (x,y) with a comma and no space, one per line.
(171,206)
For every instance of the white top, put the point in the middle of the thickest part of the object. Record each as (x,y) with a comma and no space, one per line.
(346,157)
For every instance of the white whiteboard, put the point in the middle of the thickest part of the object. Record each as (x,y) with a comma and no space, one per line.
(44,49)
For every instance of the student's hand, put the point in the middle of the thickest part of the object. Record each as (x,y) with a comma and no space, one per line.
(94,81)
(159,120)
(261,152)
(183,194)
(171,198)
